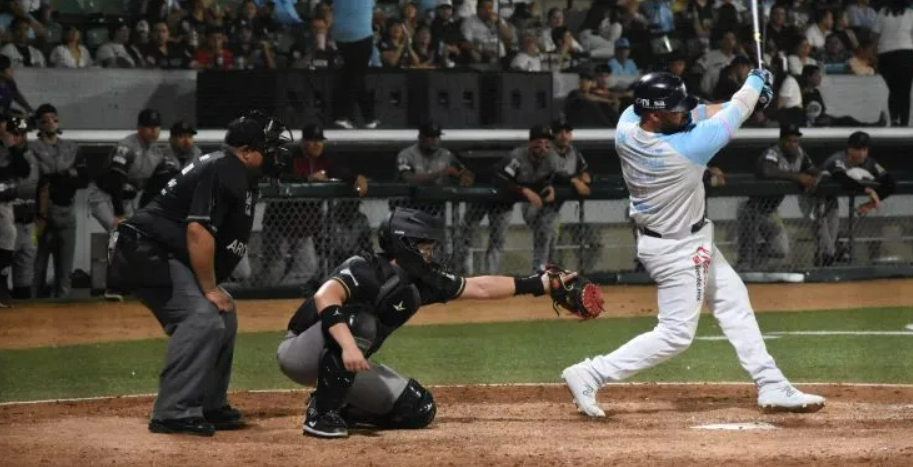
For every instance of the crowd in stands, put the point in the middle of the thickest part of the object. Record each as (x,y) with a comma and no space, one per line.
(709,43)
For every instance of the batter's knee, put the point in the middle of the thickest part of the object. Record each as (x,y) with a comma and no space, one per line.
(678,337)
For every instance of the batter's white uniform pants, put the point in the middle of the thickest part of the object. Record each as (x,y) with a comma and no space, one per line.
(688,272)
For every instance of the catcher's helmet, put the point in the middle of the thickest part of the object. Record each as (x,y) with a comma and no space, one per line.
(662,91)
(261,132)
(401,233)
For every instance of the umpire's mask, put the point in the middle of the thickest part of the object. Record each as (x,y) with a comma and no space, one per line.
(266,134)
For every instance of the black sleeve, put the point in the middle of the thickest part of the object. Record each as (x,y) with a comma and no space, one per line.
(847,182)
(440,287)
(337,168)
(887,186)
(209,205)
(808,166)
(359,278)
(505,175)
(112,181)
(19,166)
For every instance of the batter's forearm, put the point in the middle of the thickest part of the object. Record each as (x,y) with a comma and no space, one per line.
(202,248)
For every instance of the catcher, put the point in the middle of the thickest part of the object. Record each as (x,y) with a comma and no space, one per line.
(333,334)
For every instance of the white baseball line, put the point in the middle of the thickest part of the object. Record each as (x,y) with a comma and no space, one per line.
(779,334)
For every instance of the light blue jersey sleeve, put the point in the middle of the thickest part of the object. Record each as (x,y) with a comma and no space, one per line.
(628,116)
(709,135)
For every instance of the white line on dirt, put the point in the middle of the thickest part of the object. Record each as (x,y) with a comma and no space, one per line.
(483,385)
(779,334)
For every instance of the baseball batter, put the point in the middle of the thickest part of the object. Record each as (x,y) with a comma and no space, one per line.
(665,142)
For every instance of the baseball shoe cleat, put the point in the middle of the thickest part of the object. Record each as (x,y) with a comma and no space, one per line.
(326,425)
(345,124)
(786,398)
(226,418)
(583,389)
(113,296)
(192,426)
(373,124)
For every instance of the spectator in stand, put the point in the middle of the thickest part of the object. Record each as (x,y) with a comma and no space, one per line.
(20,53)
(600,31)
(863,61)
(9,91)
(282,12)
(778,30)
(844,31)
(422,49)
(659,15)
(562,57)
(196,18)
(621,64)
(213,55)
(833,57)
(268,20)
(71,54)
(731,78)
(115,53)
(141,35)
(817,32)
(163,54)
(698,22)
(489,35)
(800,56)
(250,53)
(528,59)
(319,54)
(555,20)
(798,14)
(606,88)
(447,38)
(247,16)
(585,109)
(789,100)
(813,103)
(862,15)
(410,19)
(395,49)
(712,62)
(351,29)
(894,28)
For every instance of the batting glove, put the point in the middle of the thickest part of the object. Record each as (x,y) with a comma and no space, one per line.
(767,92)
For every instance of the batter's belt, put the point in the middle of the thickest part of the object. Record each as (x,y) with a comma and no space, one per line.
(694,228)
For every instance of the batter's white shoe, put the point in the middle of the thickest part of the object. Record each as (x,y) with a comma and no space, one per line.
(583,388)
(786,398)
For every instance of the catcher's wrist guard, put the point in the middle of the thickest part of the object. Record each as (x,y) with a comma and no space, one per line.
(331,316)
(529,285)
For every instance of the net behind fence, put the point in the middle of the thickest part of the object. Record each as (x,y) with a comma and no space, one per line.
(300,239)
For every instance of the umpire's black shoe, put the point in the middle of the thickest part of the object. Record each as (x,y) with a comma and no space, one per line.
(226,418)
(190,425)
(326,425)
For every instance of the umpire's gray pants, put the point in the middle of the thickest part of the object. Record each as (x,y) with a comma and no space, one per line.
(498,221)
(102,207)
(543,223)
(24,256)
(59,241)
(374,391)
(198,363)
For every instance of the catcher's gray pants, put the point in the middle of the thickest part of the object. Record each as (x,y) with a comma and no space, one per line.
(7,227)
(762,235)
(498,220)
(287,259)
(198,363)
(59,241)
(543,222)
(374,391)
(24,256)
(827,224)
(103,209)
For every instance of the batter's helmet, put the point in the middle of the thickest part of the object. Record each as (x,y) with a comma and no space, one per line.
(261,132)
(401,233)
(662,91)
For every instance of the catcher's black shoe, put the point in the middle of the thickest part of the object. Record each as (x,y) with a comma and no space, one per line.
(191,425)
(326,425)
(226,418)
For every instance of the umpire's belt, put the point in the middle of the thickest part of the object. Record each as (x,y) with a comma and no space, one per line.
(694,228)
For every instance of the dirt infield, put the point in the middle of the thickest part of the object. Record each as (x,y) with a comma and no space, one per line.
(530,426)
(43,324)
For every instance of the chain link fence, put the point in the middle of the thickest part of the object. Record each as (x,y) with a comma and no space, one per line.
(299,240)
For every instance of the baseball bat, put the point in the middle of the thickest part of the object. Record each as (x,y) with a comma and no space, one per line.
(757,32)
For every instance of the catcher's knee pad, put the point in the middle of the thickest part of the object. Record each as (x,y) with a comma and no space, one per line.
(415,408)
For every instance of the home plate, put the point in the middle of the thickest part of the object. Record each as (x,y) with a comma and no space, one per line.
(737,426)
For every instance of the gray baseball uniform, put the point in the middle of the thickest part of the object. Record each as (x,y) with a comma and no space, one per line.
(757,217)
(413,160)
(581,233)
(137,163)
(183,158)
(26,247)
(62,173)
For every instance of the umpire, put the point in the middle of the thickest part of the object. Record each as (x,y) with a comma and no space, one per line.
(14,165)
(174,253)
(61,172)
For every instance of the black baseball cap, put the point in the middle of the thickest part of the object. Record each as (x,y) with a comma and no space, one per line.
(182,128)
(44,109)
(541,132)
(561,124)
(430,129)
(859,140)
(789,129)
(312,132)
(149,118)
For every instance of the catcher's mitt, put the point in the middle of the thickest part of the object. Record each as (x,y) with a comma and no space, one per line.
(580,295)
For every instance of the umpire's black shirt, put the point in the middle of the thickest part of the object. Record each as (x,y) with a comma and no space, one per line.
(216,191)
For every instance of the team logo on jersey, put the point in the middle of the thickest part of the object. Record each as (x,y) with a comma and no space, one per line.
(348,272)
(701,261)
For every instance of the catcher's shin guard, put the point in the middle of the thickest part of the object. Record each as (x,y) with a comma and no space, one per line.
(333,381)
(415,408)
